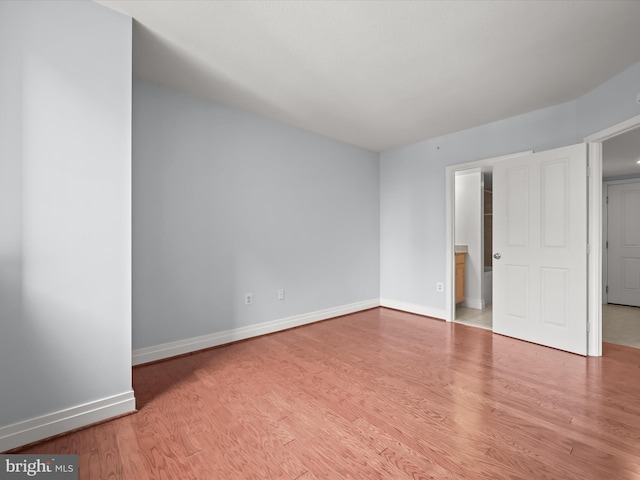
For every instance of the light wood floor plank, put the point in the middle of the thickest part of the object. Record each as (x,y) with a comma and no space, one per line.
(377,394)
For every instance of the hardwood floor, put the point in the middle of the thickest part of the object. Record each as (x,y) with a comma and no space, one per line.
(377,394)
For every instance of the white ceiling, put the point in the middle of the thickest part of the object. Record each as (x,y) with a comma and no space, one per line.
(381,74)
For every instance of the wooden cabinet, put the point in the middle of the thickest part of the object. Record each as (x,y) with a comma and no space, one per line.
(460,277)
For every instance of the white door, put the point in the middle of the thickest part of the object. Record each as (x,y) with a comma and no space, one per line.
(540,248)
(623,255)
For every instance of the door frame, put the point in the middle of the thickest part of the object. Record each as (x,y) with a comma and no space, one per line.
(605,231)
(595,267)
(449,287)
(594,236)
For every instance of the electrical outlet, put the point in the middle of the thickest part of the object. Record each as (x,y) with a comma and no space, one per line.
(248,298)
(281,294)
(439,287)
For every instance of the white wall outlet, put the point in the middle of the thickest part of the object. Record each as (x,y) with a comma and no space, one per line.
(439,287)
(638,98)
(281,294)
(248,298)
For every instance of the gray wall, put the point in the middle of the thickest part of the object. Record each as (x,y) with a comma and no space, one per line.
(610,103)
(226,202)
(412,196)
(412,181)
(65,254)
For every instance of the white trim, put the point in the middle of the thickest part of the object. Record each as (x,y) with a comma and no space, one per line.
(621,181)
(596,229)
(51,424)
(615,130)
(449,287)
(594,261)
(188,345)
(605,239)
(414,308)
(475,303)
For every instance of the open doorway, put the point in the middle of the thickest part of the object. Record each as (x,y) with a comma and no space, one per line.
(621,239)
(540,231)
(597,227)
(485,167)
(473,241)
(595,241)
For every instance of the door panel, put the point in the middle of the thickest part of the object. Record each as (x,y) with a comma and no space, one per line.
(517,291)
(555,301)
(554,204)
(540,233)
(624,244)
(517,189)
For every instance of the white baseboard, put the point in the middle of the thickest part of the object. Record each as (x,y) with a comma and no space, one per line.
(438,313)
(45,426)
(180,347)
(476,303)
